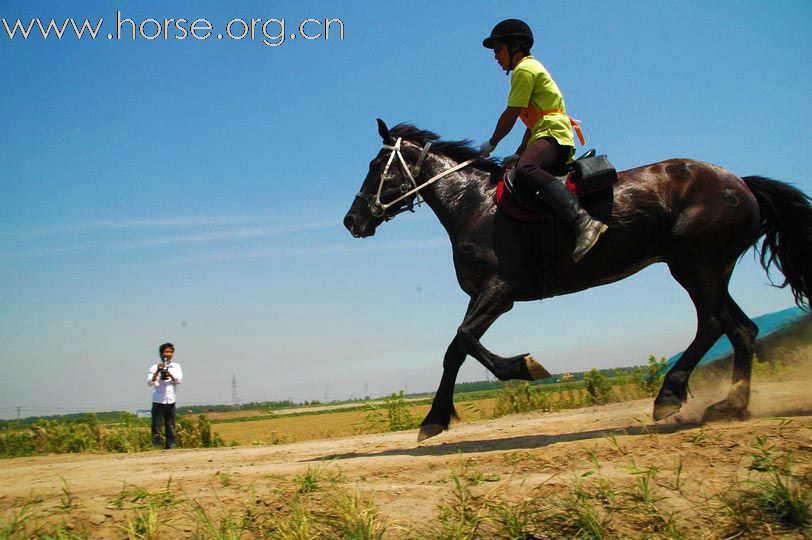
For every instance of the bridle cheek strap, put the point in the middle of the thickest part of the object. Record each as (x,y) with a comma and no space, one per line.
(378,209)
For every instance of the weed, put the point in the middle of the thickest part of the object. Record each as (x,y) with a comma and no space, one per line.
(67,500)
(62,532)
(645,477)
(783,423)
(620,448)
(592,457)
(140,497)
(351,518)
(467,471)
(772,497)
(578,517)
(145,524)
(308,482)
(460,517)
(475,477)
(778,495)
(678,475)
(515,521)
(224,477)
(605,492)
(17,526)
(226,528)
(514,458)
(297,525)
(698,438)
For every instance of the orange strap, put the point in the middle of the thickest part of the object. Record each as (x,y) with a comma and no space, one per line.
(530,116)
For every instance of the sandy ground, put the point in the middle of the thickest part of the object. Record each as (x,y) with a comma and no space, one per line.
(407,480)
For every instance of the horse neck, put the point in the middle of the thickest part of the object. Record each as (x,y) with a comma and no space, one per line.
(455,198)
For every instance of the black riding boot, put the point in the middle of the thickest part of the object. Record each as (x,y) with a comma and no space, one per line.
(567,207)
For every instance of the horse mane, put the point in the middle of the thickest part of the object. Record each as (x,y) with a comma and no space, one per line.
(457,150)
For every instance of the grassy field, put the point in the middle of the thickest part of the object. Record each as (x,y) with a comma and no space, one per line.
(328,424)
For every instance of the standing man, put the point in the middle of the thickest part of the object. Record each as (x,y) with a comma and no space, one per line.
(163,377)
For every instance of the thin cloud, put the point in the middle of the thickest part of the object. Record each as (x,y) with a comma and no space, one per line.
(112,225)
(327,249)
(257,232)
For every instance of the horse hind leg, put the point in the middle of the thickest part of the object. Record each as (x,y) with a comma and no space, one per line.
(704,287)
(742,334)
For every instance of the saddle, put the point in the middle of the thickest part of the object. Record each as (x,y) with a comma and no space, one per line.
(587,174)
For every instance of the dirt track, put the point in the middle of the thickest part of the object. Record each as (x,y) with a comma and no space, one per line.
(522,454)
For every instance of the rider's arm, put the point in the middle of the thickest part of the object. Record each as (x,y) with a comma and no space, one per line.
(505,123)
(523,146)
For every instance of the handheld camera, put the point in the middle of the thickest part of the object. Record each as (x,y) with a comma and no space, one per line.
(164,368)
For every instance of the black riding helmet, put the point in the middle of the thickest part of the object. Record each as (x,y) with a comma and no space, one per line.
(509,28)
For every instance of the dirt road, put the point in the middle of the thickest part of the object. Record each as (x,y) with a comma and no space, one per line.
(530,455)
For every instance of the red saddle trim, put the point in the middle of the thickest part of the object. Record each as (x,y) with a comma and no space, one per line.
(509,205)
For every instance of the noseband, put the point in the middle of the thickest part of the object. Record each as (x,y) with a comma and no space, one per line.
(402,193)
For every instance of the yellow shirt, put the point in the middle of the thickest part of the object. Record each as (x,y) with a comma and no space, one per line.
(532,86)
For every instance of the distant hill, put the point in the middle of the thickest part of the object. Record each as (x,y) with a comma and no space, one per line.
(768,324)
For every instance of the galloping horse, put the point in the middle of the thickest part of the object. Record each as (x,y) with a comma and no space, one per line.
(695,217)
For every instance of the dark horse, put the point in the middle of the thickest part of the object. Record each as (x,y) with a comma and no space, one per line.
(695,217)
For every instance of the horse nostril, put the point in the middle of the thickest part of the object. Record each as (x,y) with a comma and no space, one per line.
(349,222)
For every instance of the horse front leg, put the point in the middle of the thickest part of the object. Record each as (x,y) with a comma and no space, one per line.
(492,301)
(442,407)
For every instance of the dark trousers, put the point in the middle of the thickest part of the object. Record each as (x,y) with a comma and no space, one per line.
(538,163)
(163,413)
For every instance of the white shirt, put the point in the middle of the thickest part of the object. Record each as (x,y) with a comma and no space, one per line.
(164,391)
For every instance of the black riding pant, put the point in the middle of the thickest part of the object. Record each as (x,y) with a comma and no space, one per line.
(163,413)
(539,163)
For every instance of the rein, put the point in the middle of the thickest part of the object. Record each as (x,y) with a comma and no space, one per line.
(379,209)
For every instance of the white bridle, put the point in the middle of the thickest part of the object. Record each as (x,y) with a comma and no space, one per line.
(378,209)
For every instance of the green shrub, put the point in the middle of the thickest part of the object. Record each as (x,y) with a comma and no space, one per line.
(649,378)
(87,435)
(517,397)
(197,433)
(598,387)
(394,415)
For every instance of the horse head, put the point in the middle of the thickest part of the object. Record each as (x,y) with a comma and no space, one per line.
(390,186)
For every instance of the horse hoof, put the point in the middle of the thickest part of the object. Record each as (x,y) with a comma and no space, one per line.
(428,431)
(535,369)
(725,411)
(664,410)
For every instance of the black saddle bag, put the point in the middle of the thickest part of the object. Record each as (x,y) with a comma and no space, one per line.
(593,173)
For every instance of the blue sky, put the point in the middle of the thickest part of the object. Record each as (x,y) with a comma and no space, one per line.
(192,191)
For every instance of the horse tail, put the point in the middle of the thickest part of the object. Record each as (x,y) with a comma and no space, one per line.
(786,224)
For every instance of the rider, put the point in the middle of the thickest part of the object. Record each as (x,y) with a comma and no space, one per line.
(547,146)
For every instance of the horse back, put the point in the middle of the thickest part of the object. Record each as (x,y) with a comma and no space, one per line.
(674,209)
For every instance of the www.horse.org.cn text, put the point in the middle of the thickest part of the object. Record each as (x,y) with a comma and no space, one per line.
(271,32)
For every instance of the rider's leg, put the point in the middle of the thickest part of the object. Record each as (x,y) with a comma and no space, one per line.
(536,184)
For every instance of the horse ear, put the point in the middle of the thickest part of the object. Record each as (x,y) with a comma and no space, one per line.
(384,132)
